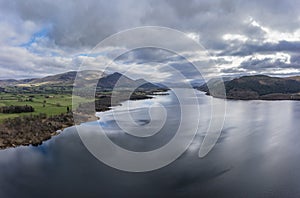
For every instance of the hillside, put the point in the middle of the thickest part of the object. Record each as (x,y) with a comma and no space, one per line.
(122,81)
(64,82)
(257,87)
(63,79)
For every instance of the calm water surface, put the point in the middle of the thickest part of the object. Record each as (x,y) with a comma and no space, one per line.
(257,155)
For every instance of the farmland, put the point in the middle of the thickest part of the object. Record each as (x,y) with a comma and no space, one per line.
(53,104)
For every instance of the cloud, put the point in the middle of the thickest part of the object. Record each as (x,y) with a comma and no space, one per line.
(41,37)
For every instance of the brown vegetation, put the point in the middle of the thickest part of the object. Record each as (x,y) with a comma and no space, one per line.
(32,129)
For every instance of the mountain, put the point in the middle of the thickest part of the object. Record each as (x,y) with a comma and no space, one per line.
(9,82)
(108,82)
(297,78)
(59,79)
(142,83)
(256,87)
(64,79)
(122,81)
(84,78)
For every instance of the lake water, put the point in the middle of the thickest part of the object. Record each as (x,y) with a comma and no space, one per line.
(257,155)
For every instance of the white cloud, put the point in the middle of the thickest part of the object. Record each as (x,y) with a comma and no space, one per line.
(274,36)
(223,27)
(232,37)
(193,36)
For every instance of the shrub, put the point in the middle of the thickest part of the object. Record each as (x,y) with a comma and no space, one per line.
(16,109)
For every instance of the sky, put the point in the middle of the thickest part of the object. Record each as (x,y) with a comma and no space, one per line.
(242,37)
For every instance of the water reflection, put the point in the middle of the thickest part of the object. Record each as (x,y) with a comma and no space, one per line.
(258,155)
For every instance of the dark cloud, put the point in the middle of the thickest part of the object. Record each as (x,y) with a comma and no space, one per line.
(74,27)
(295,59)
(244,49)
(77,23)
(267,65)
(163,61)
(148,54)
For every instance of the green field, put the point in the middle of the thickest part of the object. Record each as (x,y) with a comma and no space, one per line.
(51,104)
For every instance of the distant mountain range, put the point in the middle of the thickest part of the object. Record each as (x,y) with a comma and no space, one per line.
(242,88)
(106,81)
(256,87)
(64,79)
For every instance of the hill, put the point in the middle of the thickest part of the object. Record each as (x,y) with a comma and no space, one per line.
(256,87)
(64,82)
(122,81)
(63,79)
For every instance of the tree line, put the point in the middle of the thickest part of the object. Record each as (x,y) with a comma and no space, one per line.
(16,109)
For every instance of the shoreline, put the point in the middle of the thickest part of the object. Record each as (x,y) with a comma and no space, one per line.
(86,118)
(269,97)
(20,131)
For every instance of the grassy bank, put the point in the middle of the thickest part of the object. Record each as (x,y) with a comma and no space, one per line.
(52,104)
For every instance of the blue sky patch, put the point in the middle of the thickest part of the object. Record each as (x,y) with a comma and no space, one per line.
(43,33)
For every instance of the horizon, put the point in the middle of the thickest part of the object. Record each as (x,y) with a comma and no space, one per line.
(236,76)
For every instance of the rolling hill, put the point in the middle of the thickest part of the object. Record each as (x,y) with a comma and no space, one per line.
(256,87)
(63,79)
(85,78)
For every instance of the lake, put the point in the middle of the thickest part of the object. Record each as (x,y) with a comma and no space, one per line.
(257,155)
